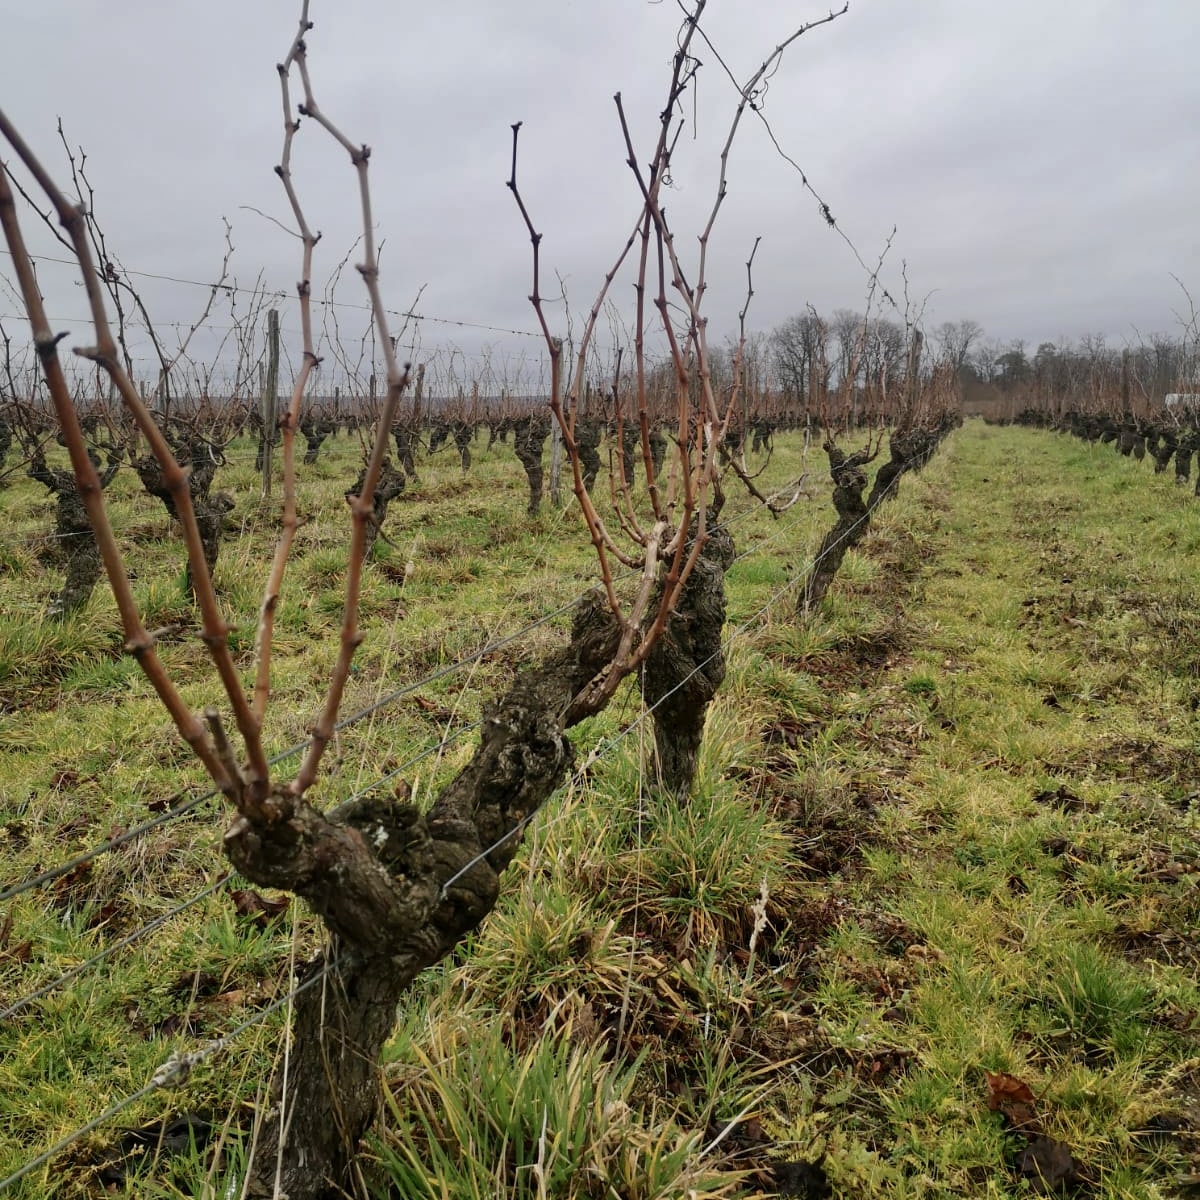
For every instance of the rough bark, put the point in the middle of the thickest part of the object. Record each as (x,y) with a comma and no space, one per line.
(315,432)
(398,890)
(387,487)
(408,430)
(75,543)
(762,430)
(887,478)
(202,458)
(658,450)
(529,436)
(1183,458)
(498,431)
(406,436)
(1161,451)
(210,520)
(849,483)
(587,438)
(463,432)
(630,438)
(687,665)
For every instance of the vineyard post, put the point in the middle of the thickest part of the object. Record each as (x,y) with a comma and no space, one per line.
(269,399)
(556,449)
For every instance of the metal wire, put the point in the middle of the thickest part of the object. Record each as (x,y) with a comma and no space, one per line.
(233,288)
(178,1067)
(181,810)
(174,1072)
(81,968)
(163,918)
(159,921)
(114,843)
(800,577)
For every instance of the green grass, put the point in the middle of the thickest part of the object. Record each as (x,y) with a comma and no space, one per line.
(943,826)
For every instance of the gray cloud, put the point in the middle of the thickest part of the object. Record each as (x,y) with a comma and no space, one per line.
(1041,162)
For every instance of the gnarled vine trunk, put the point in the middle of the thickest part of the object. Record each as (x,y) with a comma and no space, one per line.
(315,431)
(463,432)
(398,890)
(529,437)
(685,668)
(849,483)
(388,486)
(408,429)
(658,449)
(406,436)
(75,541)
(202,459)
(587,439)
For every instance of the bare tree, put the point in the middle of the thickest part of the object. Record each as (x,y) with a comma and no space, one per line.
(954,340)
(793,354)
(847,328)
(984,358)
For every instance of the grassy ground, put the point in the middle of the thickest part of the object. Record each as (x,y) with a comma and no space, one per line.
(946,828)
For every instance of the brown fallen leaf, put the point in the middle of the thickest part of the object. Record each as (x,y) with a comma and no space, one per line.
(20,953)
(1049,1166)
(164,803)
(438,711)
(104,913)
(1013,1099)
(77,874)
(1003,1088)
(250,904)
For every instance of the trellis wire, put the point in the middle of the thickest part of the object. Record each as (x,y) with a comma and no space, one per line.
(172,1073)
(163,918)
(181,810)
(800,577)
(177,1068)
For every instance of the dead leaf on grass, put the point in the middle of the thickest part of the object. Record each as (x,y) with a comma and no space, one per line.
(435,710)
(1063,799)
(250,904)
(166,803)
(1013,1099)
(805,1179)
(1050,1167)
(8,952)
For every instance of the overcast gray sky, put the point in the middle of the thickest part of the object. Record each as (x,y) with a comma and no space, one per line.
(1041,161)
